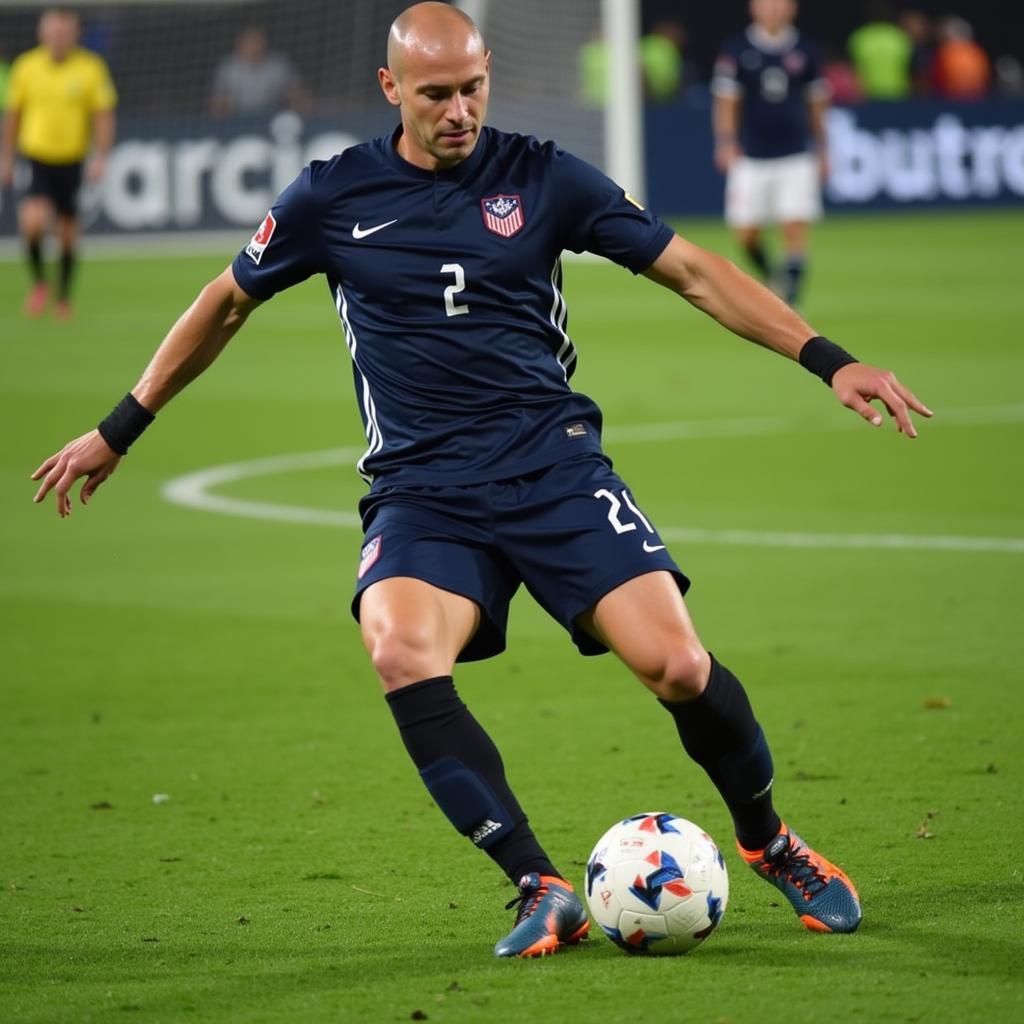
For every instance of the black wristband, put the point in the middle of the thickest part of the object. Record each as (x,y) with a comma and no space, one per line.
(125,424)
(824,358)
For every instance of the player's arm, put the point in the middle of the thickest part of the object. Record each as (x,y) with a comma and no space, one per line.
(191,345)
(725,123)
(817,108)
(719,288)
(8,137)
(104,128)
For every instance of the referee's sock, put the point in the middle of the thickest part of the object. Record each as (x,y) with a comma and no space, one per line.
(793,270)
(720,733)
(34,251)
(67,270)
(463,771)
(759,258)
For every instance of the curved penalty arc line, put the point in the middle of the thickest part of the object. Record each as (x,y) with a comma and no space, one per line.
(193,490)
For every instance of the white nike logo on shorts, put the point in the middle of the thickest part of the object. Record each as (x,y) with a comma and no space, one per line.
(358,232)
(651,548)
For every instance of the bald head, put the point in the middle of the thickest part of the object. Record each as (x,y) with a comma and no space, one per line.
(432,33)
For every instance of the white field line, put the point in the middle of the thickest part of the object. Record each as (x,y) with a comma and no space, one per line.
(193,489)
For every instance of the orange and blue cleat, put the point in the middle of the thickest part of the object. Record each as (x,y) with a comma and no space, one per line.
(823,897)
(550,916)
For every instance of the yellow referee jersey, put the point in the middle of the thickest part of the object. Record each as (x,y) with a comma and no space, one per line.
(56,101)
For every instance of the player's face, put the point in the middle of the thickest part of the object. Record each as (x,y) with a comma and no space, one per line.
(443,104)
(58,32)
(773,15)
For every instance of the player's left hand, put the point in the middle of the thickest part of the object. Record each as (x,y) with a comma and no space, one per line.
(856,385)
(89,456)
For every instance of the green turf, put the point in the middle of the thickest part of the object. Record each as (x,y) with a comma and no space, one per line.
(298,871)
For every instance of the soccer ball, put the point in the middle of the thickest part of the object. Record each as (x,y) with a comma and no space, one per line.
(657,884)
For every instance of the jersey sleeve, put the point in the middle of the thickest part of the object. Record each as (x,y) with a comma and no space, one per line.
(287,247)
(725,78)
(103,95)
(598,216)
(15,97)
(816,85)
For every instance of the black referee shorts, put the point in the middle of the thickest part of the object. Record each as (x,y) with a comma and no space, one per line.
(57,182)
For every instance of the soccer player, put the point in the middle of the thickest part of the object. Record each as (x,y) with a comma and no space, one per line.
(769,112)
(440,243)
(60,104)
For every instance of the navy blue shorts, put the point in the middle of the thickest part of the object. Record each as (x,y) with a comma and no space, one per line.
(570,533)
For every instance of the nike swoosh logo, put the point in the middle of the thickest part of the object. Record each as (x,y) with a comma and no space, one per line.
(358,232)
(651,548)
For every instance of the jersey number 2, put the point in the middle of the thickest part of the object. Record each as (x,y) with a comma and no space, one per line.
(453,289)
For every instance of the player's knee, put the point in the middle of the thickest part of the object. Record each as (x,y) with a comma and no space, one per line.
(403,655)
(683,671)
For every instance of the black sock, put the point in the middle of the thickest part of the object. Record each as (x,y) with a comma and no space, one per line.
(34,250)
(462,769)
(756,254)
(720,733)
(795,266)
(67,269)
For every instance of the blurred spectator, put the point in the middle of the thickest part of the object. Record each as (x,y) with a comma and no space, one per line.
(961,70)
(661,61)
(1009,75)
(919,29)
(841,76)
(661,58)
(881,53)
(252,80)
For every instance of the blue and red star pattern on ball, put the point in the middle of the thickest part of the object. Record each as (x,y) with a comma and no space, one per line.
(661,823)
(667,875)
(596,872)
(636,942)
(714,916)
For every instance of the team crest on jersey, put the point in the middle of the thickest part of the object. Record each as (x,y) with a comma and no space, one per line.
(503,214)
(794,62)
(368,556)
(254,250)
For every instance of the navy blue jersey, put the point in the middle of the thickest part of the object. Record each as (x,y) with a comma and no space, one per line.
(773,78)
(448,286)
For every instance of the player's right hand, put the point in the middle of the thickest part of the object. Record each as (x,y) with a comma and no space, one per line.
(89,456)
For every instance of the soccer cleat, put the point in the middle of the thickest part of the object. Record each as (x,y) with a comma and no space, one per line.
(823,897)
(35,303)
(550,916)
(63,311)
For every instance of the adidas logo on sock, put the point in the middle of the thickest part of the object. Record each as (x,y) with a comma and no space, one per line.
(481,832)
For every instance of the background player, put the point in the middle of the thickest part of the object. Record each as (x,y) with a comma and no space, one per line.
(487,468)
(769,105)
(60,103)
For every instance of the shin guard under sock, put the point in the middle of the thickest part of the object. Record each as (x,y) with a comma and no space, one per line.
(463,771)
(720,733)
(759,258)
(67,270)
(34,252)
(794,271)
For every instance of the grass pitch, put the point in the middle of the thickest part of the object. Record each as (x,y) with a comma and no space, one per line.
(296,870)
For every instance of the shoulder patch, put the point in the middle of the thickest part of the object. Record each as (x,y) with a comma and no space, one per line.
(256,247)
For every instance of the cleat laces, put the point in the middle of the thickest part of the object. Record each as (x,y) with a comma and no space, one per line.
(528,900)
(798,869)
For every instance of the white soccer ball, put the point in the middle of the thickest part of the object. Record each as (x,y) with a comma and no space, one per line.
(657,884)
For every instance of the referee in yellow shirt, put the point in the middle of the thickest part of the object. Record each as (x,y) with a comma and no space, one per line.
(60,104)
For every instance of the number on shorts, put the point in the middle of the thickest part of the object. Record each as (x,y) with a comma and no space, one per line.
(615,507)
